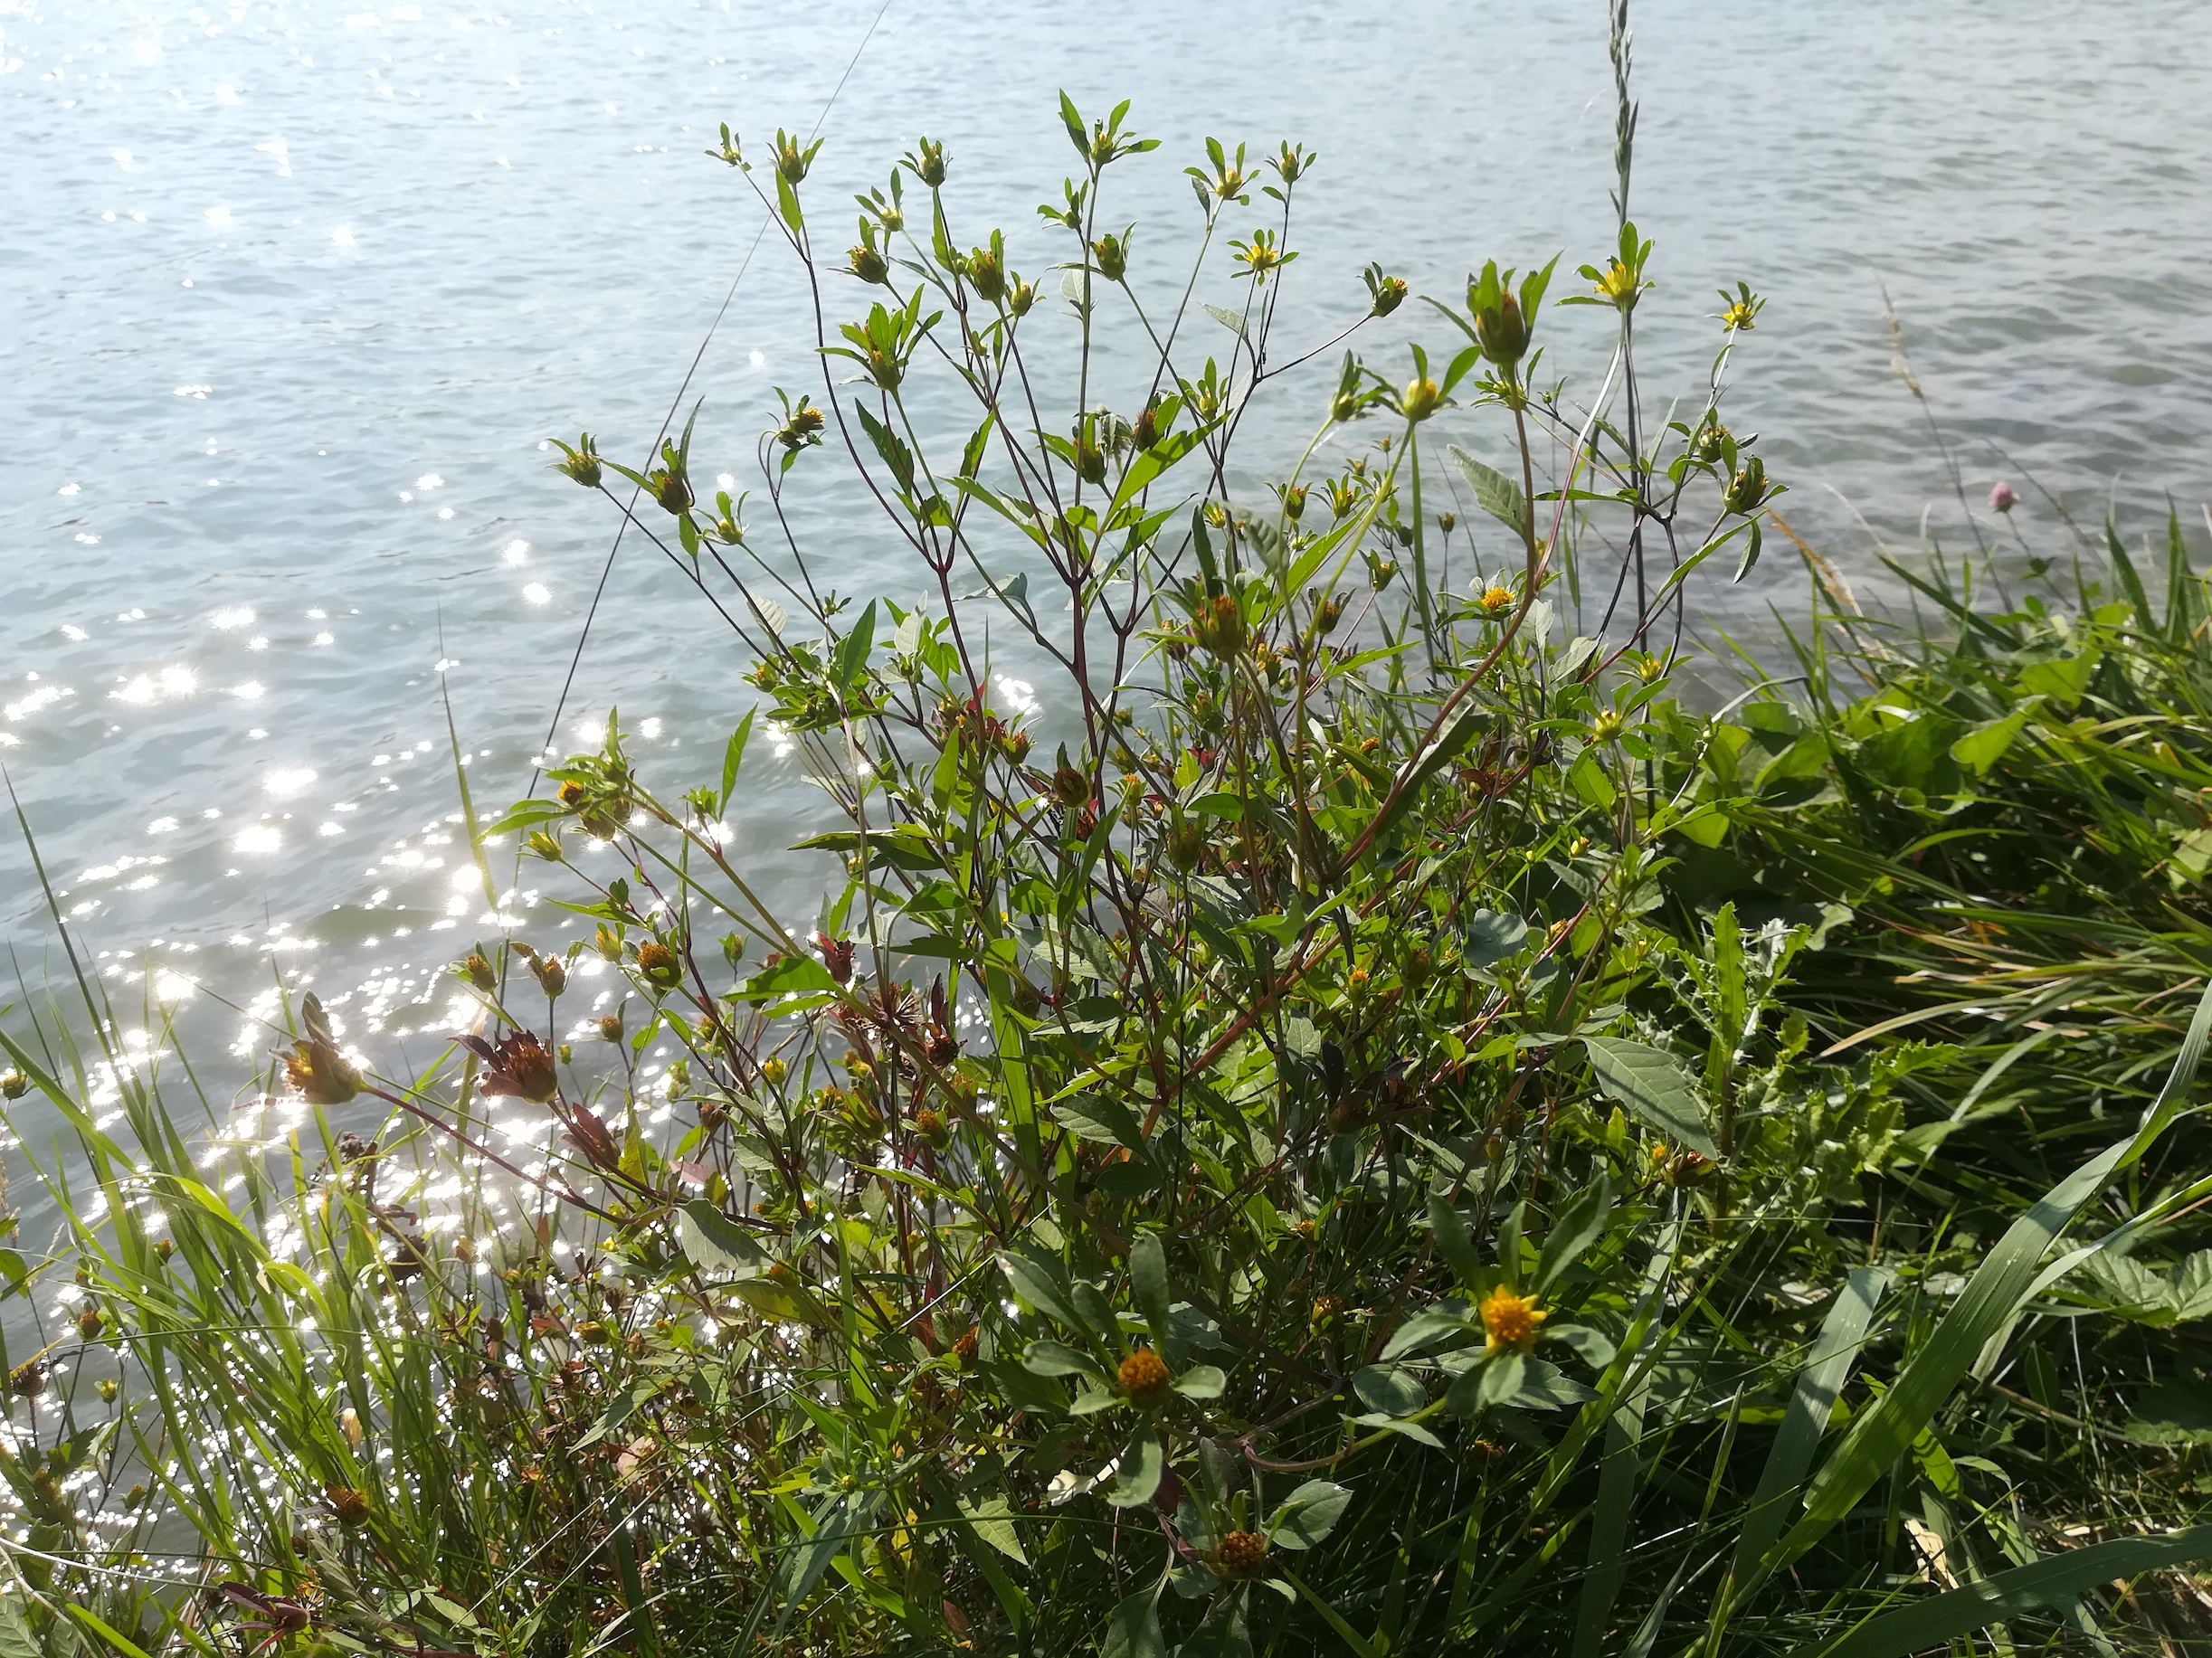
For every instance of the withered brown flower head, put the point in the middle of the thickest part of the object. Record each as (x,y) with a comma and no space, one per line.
(315,1067)
(1241,1554)
(518,1065)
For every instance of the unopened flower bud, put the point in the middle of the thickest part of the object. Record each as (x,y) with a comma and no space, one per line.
(552,974)
(987,274)
(1112,255)
(14,1084)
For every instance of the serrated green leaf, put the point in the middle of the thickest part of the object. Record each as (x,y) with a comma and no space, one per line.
(1648,1084)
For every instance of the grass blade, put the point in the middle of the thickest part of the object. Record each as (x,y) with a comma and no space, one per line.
(1997,1291)
(2050,1582)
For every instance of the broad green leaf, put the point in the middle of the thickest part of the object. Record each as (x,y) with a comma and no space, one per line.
(793,975)
(1586,777)
(1495,493)
(1515,1382)
(712,1242)
(1651,1087)
(1985,745)
(1058,1359)
(1137,1475)
(1134,1630)
(1426,1329)
(1487,937)
(1308,1514)
(779,1300)
(1389,1390)
(1101,1119)
(992,1519)
(851,659)
(1201,1382)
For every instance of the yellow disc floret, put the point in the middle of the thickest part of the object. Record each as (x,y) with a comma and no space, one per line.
(1510,1321)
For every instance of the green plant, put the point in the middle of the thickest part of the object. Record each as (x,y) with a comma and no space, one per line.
(1337,1144)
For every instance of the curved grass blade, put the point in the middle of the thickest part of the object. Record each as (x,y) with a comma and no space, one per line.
(2000,1287)
(2053,1581)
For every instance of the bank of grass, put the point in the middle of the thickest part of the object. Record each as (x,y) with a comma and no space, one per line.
(1377,1126)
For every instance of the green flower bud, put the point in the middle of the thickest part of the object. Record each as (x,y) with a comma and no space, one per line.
(1113,254)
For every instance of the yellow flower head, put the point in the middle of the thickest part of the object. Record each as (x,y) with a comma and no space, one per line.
(1497,600)
(1510,1321)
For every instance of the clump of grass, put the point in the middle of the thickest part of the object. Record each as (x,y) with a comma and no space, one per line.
(1373,1118)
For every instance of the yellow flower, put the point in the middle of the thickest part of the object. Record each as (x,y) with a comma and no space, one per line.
(1510,1321)
(1145,1377)
(1497,600)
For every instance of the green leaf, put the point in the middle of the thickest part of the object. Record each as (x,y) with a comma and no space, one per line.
(852,659)
(1806,1418)
(2063,679)
(1487,937)
(2052,1581)
(793,975)
(1579,1226)
(1201,1382)
(1137,1475)
(1134,1630)
(787,204)
(1586,777)
(2004,1283)
(1985,745)
(1102,1120)
(17,1639)
(1454,1243)
(1228,319)
(1652,1088)
(733,756)
(1308,1514)
(1040,1284)
(1390,1390)
(889,445)
(1495,493)
(713,1241)
(779,1300)
(1058,1359)
(1517,1382)
(993,1521)
(1148,1280)
(1426,1329)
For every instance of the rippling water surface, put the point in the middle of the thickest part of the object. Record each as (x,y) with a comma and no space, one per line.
(291,295)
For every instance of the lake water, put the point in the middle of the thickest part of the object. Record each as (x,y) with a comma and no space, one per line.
(292,294)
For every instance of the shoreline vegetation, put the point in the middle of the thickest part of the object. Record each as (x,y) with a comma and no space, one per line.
(1372,1126)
